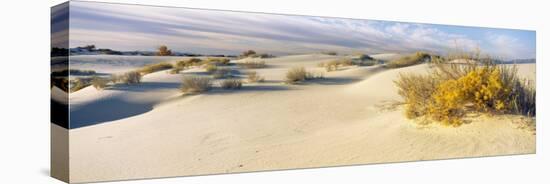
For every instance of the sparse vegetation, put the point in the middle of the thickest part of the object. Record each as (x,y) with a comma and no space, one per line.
(364,57)
(453,90)
(299,74)
(132,77)
(218,61)
(253,76)
(416,58)
(77,84)
(252,64)
(231,84)
(210,68)
(248,53)
(222,73)
(151,68)
(195,85)
(99,83)
(333,65)
(332,53)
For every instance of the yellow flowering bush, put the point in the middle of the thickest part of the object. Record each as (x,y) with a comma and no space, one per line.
(475,88)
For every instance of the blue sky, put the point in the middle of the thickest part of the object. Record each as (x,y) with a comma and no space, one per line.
(131,27)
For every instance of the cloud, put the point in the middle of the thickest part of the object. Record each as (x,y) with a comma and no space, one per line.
(131,27)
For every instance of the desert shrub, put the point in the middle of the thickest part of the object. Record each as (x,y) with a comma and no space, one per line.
(176,70)
(295,75)
(99,82)
(254,77)
(248,53)
(265,55)
(218,61)
(221,73)
(299,74)
(163,51)
(416,90)
(151,68)
(61,82)
(366,62)
(364,57)
(184,64)
(416,58)
(78,84)
(132,77)
(332,53)
(210,68)
(195,85)
(452,91)
(333,65)
(252,64)
(231,84)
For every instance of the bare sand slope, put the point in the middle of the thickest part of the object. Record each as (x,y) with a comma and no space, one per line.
(270,126)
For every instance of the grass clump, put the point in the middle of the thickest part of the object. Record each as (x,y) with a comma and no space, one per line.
(218,61)
(231,84)
(132,77)
(99,83)
(195,85)
(333,65)
(151,68)
(78,84)
(299,74)
(416,58)
(452,91)
(252,64)
(254,77)
(210,68)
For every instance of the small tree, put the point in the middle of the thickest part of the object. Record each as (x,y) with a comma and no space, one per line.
(248,53)
(164,51)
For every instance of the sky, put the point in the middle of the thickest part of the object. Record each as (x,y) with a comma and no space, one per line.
(133,27)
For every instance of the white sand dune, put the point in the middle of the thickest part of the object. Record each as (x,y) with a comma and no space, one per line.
(268,126)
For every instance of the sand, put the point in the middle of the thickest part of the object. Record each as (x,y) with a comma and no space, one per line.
(151,130)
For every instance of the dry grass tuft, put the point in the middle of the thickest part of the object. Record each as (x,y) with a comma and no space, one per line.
(231,84)
(416,58)
(195,85)
(252,64)
(253,76)
(99,83)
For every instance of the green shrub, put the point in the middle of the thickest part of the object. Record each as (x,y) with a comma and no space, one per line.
(416,58)
(195,85)
(99,82)
(231,84)
(254,77)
